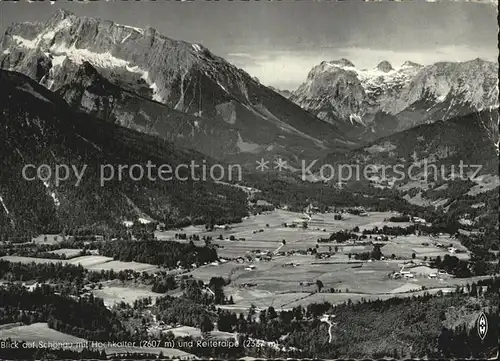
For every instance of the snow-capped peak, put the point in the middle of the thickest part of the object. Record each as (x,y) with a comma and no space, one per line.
(411,64)
(385,66)
(338,89)
(197,47)
(44,37)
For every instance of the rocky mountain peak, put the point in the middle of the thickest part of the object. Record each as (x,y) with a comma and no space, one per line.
(411,64)
(388,100)
(183,76)
(59,16)
(385,66)
(149,31)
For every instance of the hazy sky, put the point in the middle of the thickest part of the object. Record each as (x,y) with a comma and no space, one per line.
(279,42)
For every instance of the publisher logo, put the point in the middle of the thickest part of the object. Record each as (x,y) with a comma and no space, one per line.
(482,326)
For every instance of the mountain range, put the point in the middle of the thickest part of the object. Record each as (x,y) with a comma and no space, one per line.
(184,92)
(372,103)
(82,90)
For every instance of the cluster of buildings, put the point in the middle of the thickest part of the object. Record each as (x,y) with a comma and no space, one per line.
(421,270)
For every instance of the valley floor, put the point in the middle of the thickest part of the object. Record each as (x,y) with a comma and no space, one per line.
(272,260)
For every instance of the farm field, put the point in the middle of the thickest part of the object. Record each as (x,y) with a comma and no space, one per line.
(273,231)
(68,252)
(266,232)
(170,234)
(120,265)
(114,294)
(23,259)
(404,246)
(40,332)
(336,298)
(272,284)
(48,239)
(184,331)
(262,300)
(287,280)
(6,326)
(95,263)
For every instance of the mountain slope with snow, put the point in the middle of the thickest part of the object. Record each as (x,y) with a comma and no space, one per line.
(377,102)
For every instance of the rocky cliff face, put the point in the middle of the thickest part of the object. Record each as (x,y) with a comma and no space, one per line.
(89,91)
(380,101)
(185,77)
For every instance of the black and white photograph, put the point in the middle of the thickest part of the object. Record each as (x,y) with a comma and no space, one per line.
(249,180)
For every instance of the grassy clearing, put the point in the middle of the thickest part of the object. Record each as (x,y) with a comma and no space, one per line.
(184,331)
(40,332)
(484,184)
(95,263)
(22,259)
(48,239)
(113,294)
(119,266)
(68,252)
(37,332)
(284,274)
(278,282)
(273,231)
(423,246)
(90,261)
(260,298)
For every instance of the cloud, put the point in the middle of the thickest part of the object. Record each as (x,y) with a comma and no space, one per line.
(240,55)
(246,60)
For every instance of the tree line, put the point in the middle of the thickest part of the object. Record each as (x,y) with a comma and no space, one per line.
(169,254)
(84,317)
